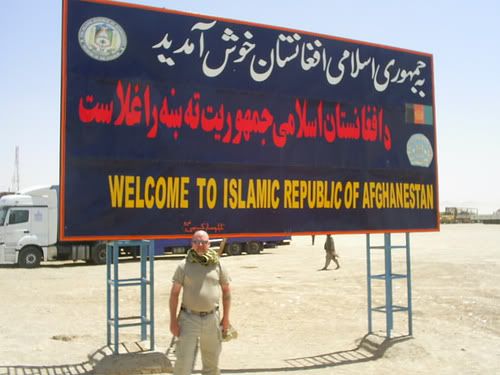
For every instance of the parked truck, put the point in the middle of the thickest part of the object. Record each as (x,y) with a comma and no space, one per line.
(459,215)
(29,234)
(29,231)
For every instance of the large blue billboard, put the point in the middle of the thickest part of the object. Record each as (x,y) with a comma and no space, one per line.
(173,122)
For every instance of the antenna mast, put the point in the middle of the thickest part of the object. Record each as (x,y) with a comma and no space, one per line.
(15,177)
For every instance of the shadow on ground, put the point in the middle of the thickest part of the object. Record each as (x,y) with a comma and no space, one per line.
(133,358)
(370,348)
(137,360)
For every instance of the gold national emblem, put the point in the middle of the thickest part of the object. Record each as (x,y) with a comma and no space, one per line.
(102,38)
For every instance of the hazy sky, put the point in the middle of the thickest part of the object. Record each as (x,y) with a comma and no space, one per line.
(462,35)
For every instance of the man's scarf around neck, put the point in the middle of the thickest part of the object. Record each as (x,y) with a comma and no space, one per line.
(210,257)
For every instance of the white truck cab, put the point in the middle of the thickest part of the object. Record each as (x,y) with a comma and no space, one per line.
(28,226)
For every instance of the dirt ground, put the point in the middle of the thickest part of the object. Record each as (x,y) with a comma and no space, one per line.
(290,316)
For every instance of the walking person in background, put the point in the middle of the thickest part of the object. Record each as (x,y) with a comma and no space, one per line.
(330,253)
(201,277)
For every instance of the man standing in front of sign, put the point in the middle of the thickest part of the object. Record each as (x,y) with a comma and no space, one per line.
(201,277)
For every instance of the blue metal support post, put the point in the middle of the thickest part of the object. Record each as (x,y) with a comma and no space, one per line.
(388,276)
(113,318)
(143,294)
(369,282)
(152,295)
(108,293)
(388,284)
(408,285)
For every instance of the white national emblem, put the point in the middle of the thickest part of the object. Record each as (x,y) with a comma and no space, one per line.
(102,38)
(419,150)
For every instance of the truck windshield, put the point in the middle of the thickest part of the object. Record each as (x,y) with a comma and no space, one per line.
(3,213)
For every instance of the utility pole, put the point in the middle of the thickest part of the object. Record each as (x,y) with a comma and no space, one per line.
(15,177)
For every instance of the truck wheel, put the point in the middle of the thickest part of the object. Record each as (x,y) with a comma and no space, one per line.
(98,254)
(30,257)
(233,249)
(253,247)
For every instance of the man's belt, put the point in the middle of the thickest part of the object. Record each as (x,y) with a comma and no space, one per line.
(199,313)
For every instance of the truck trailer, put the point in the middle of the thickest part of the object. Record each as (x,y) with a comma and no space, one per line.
(29,234)
(233,246)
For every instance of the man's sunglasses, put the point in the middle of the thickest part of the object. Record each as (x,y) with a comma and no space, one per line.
(199,242)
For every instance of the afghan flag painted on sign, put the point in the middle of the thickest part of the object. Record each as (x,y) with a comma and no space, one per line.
(419,114)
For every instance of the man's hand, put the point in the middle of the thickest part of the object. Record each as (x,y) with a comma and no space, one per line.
(225,326)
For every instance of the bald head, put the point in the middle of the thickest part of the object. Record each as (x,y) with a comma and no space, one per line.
(200,242)
(200,233)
